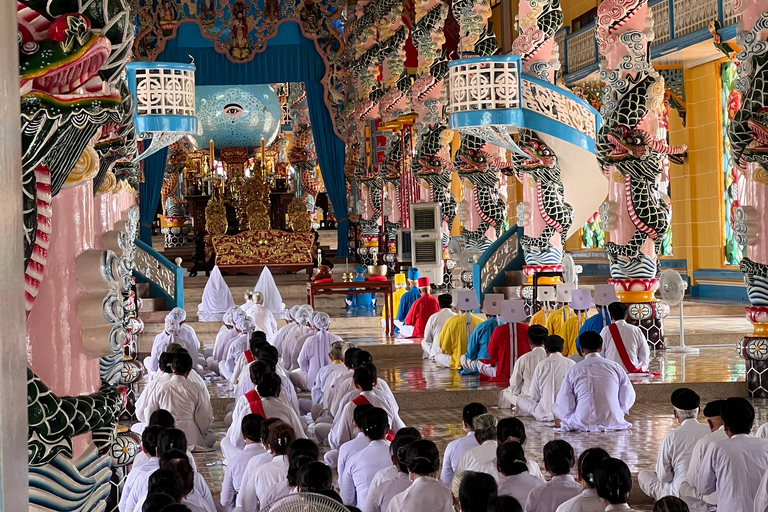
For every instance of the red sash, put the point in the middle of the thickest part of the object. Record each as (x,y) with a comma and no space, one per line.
(361,400)
(254,400)
(622,350)
(249,356)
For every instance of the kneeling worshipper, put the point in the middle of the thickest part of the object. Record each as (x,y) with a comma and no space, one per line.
(294,341)
(457,331)
(187,402)
(238,345)
(284,332)
(457,447)
(477,346)
(604,295)
(273,301)
(596,393)
(327,374)
(217,299)
(424,307)
(225,334)
(695,500)
(406,301)
(506,344)
(360,300)
(430,344)
(558,320)
(525,365)
(676,448)
(400,289)
(625,343)
(257,340)
(251,427)
(314,353)
(262,317)
(176,331)
(546,382)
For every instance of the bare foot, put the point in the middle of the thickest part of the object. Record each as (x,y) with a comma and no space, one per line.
(557,423)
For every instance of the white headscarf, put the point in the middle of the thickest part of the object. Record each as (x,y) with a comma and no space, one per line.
(272,298)
(173,320)
(293,312)
(304,314)
(217,298)
(228,316)
(321,321)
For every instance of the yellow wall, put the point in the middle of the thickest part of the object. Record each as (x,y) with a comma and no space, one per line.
(575,8)
(697,186)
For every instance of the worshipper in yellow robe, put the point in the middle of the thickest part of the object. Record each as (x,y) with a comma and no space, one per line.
(564,322)
(400,289)
(540,317)
(455,334)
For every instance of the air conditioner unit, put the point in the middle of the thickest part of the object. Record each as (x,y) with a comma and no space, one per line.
(426,240)
(403,245)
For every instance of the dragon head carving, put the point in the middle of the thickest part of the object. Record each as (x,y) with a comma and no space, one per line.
(540,162)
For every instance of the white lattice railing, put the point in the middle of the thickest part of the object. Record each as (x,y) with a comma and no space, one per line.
(661,29)
(581,49)
(482,85)
(165,91)
(692,15)
(560,40)
(729,14)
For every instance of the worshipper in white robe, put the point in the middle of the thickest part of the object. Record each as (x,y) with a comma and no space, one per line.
(329,372)
(430,344)
(676,448)
(287,393)
(223,337)
(476,490)
(515,480)
(262,317)
(634,346)
(176,331)
(343,426)
(457,447)
(293,343)
(300,453)
(287,329)
(694,499)
(268,289)
(165,373)
(164,419)
(343,390)
(596,393)
(425,492)
(362,466)
(734,467)
(613,481)
(255,483)
(197,495)
(237,347)
(558,459)
(588,500)
(188,404)
(241,371)
(269,389)
(136,481)
(393,480)
(217,299)
(251,427)
(314,353)
(337,459)
(485,433)
(546,381)
(507,429)
(522,372)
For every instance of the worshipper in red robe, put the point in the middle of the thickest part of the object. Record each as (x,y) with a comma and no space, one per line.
(498,350)
(424,307)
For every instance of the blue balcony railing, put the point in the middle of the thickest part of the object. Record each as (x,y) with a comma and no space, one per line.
(677,25)
(165,278)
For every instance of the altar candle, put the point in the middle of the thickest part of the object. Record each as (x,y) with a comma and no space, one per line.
(262,151)
(210,148)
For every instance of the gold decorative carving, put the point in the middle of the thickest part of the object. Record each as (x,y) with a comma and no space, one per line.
(108,184)
(86,167)
(299,216)
(254,201)
(215,223)
(270,247)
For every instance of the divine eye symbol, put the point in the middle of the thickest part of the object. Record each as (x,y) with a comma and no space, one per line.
(233,110)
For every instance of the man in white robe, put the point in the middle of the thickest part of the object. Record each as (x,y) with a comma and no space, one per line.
(634,347)
(547,379)
(430,344)
(457,447)
(217,298)
(734,467)
(272,298)
(262,317)
(187,402)
(293,343)
(522,372)
(596,393)
(676,448)
(329,373)
(475,458)
(694,499)
(314,352)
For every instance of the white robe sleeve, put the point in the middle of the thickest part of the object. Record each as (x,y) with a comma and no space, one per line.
(247,498)
(626,391)
(761,498)
(706,481)
(565,404)
(534,392)
(665,470)
(203,412)
(342,427)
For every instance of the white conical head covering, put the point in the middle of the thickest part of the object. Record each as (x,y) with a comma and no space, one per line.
(321,321)
(304,314)
(217,298)
(272,298)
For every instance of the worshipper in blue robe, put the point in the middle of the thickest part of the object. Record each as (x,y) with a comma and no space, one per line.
(360,300)
(477,346)
(595,323)
(409,297)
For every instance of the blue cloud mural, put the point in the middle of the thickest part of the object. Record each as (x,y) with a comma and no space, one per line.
(237,115)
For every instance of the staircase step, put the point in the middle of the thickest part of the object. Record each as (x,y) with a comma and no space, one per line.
(143,289)
(513,278)
(151,305)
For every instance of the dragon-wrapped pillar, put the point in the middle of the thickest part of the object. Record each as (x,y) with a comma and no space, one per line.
(631,157)
(175,215)
(543,213)
(748,135)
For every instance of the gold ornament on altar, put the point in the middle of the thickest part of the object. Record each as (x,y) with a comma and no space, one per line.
(215,223)
(254,201)
(300,218)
